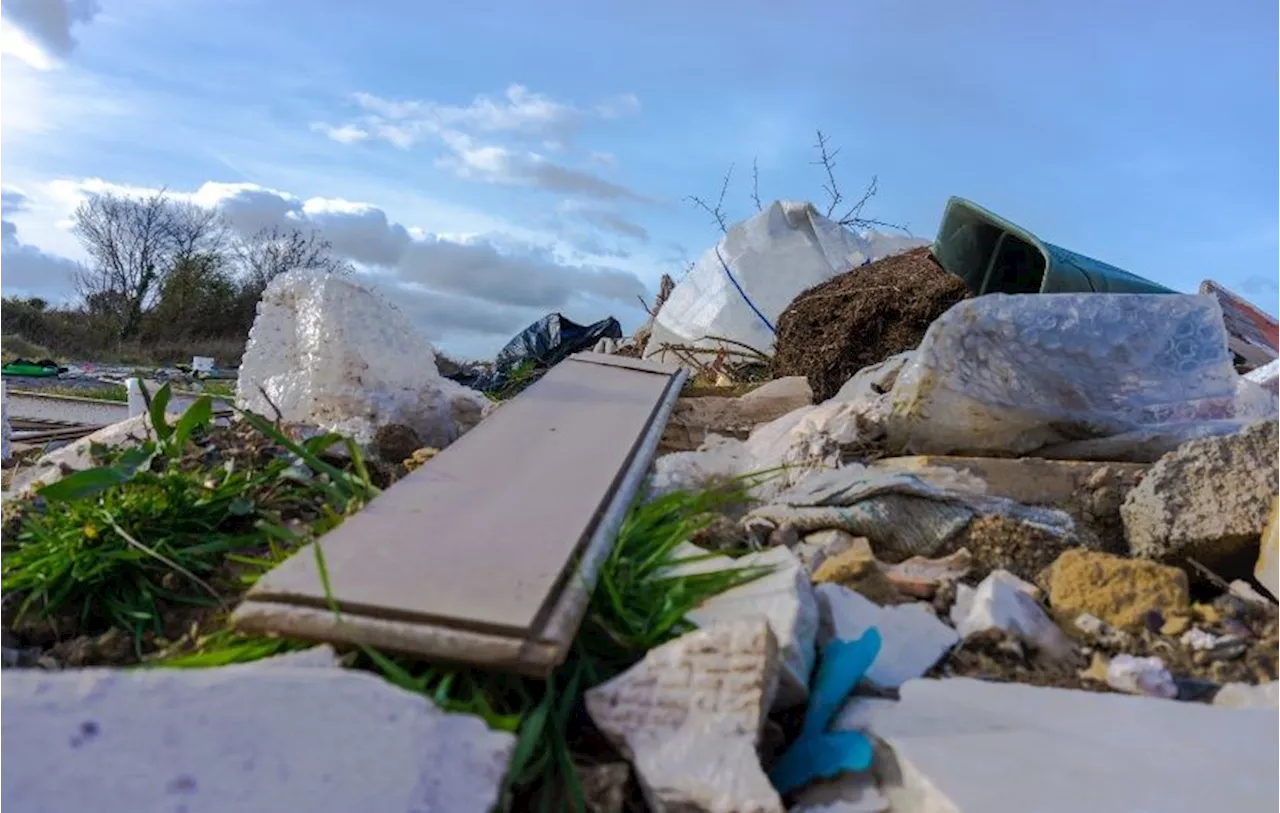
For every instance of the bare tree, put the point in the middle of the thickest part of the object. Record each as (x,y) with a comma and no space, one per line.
(273,251)
(133,244)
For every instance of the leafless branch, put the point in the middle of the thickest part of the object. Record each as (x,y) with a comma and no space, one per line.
(273,251)
(716,211)
(755,184)
(852,218)
(827,160)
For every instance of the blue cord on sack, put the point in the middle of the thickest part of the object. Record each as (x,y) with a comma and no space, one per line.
(745,298)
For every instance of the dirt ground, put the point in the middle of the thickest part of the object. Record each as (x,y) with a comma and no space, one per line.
(862,317)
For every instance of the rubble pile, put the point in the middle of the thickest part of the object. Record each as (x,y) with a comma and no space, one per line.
(1011,552)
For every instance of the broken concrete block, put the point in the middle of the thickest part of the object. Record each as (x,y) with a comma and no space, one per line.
(331,353)
(689,717)
(819,546)
(77,456)
(785,597)
(971,746)
(847,793)
(1144,676)
(1243,696)
(240,739)
(1006,603)
(695,417)
(921,576)
(1210,499)
(1117,590)
(858,569)
(1267,568)
(912,638)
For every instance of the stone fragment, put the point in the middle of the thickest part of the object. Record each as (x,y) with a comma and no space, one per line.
(694,418)
(1116,589)
(689,717)
(1006,603)
(857,569)
(1244,696)
(1267,568)
(816,547)
(972,746)
(912,638)
(1209,499)
(921,576)
(248,738)
(785,597)
(1020,547)
(1144,676)
(604,786)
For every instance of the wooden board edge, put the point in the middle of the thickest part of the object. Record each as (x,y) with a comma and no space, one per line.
(562,625)
(427,641)
(626,363)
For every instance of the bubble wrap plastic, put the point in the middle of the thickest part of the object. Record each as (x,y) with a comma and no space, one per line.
(332,353)
(1009,374)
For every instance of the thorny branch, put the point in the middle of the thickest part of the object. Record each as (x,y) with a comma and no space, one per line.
(755,184)
(716,211)
(852,218)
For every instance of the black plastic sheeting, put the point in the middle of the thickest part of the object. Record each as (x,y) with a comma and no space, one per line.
(547,342)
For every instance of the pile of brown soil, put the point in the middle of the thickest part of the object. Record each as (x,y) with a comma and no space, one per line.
(862,317)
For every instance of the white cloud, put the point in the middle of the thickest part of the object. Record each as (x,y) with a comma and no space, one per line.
(489,284)
(467,132)
(28,271)
(605,220)
(39,31)
(624,104)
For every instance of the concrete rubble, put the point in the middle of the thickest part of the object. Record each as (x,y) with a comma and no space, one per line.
(913,637)
(1073,579)
(1210,499)
(785,598)
(690,715)
(240,739)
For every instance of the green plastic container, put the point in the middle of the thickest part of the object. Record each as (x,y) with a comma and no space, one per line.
(993,256)
(28,370)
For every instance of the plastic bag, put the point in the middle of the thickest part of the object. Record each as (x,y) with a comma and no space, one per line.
(1009,374)
(546,343)
(740,286)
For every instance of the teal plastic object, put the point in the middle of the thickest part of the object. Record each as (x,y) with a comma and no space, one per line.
(817,753)
(994,256)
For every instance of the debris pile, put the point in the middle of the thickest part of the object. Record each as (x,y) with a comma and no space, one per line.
(1047,518)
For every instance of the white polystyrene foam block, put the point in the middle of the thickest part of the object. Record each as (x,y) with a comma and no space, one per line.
(332,353)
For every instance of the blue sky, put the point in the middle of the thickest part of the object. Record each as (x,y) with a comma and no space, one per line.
(489,162)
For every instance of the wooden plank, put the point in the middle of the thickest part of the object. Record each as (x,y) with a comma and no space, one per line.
(480,539)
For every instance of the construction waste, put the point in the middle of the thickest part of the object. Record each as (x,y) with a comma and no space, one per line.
(1010,552)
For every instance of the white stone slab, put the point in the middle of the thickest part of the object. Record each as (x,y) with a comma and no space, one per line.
(239,740)
(912,639)
(969,746)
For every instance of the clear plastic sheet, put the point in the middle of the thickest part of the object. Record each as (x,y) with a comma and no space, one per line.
(1009,374)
